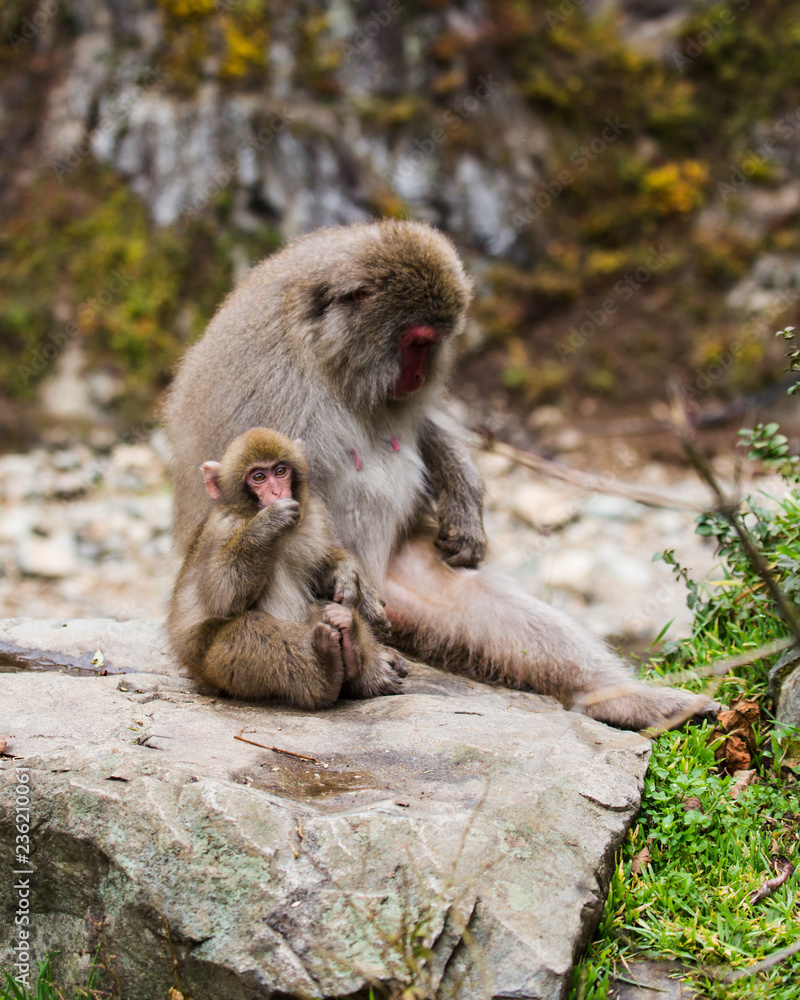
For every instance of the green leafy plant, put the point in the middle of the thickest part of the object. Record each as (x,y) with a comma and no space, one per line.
(793,354)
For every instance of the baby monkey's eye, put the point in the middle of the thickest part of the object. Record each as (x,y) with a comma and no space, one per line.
(259,477)
(281,470)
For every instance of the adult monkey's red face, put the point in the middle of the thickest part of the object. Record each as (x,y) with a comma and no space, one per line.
(415,350)
(381,315)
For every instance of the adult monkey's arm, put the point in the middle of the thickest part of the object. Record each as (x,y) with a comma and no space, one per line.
(457,489)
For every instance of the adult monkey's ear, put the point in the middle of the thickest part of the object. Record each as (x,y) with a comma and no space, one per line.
(211,471)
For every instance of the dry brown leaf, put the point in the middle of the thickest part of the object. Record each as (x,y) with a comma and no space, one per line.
(693,804)
(3,745)
(737,754)
(741,779)
(642,860)
(785,869)
(174,994)
(742,714)
(736,724)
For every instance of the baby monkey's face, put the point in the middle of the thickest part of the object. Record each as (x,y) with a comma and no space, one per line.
(270,482)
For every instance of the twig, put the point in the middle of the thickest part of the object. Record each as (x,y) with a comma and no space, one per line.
(175,973)
(716,669)
(589,698)
(721,667)
(289,753)
(626,426)
(591,482)
(767,963)
(729,509)
(639,985)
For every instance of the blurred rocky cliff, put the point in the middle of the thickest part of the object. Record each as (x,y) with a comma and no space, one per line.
(623,178)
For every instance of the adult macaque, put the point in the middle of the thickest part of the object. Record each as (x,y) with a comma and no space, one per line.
(265,606)
(345,338)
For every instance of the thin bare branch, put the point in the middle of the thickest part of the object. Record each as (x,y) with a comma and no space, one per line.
(589,481)
(767,963)
(721,667)
(729,509)
(678,718)
(289,753)
(586,700)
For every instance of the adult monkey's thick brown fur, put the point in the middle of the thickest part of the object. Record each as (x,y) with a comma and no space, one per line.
(252,611)
(345,338)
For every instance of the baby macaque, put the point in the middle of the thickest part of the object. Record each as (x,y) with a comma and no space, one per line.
(265,606)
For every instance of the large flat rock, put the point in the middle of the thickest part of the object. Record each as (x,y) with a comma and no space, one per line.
(472,821)
(71,643)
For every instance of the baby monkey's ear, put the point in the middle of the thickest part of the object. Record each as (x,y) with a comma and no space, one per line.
(211,471)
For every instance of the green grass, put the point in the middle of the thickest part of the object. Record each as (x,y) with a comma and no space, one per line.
(690,903)
(45,989)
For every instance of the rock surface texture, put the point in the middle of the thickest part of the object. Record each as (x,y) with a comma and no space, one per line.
(477,822)
(784,688)
(788,709)
(292,159)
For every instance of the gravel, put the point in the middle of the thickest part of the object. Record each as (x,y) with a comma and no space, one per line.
(86,533)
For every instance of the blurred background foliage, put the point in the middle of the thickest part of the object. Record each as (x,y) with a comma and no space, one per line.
(610,132)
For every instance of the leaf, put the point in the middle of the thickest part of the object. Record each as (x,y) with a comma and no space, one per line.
(742,714)
(663,631)
(736,725)
(741,779)
(737,754)
(98,660)
(785,869)
(642,860)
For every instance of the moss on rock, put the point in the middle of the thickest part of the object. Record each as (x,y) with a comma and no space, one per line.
(85,265)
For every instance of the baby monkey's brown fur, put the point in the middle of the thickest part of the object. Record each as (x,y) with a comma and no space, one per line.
(265,606)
